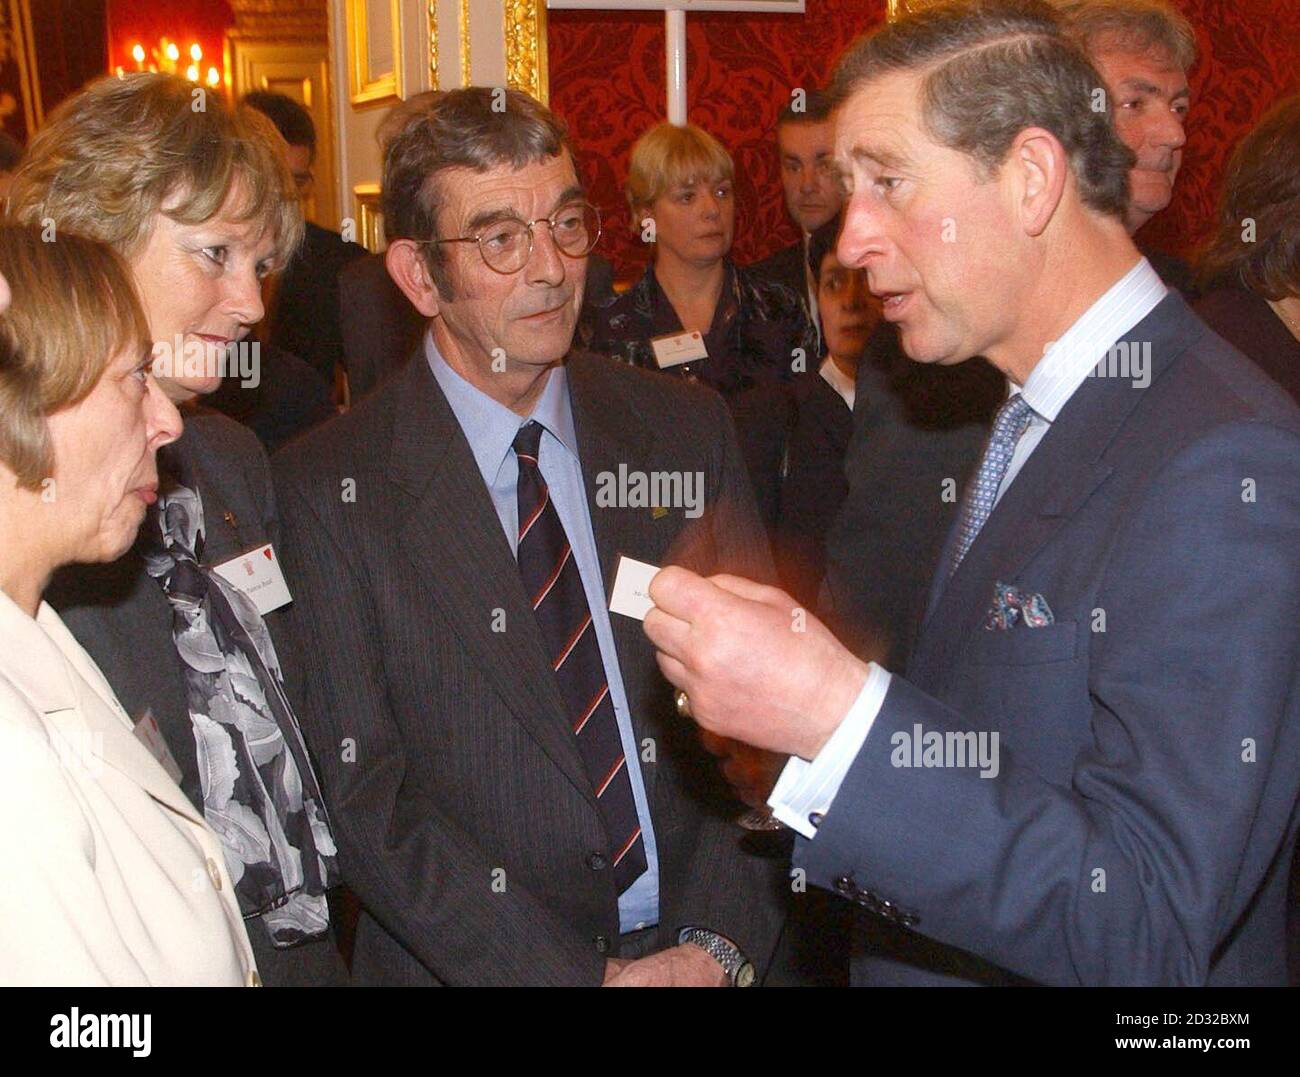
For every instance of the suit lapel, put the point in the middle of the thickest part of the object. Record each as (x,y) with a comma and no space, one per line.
(609,433)
(1063,472)
(225,535)
(450,532)
(95,721)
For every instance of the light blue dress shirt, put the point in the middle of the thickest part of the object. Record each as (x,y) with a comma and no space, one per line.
(808,788)
(490,428)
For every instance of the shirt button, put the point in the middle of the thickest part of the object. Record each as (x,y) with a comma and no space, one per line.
(602,944)
(214,873)
(597,861)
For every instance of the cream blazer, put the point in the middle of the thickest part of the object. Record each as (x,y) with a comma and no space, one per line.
(108,875)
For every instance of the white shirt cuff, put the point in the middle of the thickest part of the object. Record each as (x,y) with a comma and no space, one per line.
(806,789)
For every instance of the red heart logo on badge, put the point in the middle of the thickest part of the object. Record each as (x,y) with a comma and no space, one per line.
(267,552)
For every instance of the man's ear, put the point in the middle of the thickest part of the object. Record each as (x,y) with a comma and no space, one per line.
(405,263)
(1039,168)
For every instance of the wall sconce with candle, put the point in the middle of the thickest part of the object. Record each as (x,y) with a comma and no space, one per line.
(166,57)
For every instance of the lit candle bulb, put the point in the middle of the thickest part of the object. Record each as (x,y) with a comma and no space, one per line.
(192,72)
(214,76)
(137,54)
(172,52)
(196,53)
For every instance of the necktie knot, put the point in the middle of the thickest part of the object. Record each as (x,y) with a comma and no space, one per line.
(528,440)
(1012,418)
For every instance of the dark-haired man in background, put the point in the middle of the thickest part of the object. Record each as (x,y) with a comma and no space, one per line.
(812,192)
(304,314)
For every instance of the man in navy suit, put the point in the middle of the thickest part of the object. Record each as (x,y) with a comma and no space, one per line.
(1088,773)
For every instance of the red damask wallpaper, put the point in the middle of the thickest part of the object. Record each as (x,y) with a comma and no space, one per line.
(607,80)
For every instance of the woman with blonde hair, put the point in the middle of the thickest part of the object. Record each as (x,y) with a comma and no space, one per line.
(696,314)
(198,200)
(681,193)
(100,849)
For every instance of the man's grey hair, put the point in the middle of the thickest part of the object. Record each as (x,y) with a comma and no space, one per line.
(990,69)
(1131,25)
(478,127)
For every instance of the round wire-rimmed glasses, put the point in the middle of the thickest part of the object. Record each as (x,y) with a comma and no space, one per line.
(507,244)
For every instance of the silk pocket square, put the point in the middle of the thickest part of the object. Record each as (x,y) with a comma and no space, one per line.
(1012,605)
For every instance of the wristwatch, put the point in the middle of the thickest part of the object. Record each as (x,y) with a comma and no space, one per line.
(726,953)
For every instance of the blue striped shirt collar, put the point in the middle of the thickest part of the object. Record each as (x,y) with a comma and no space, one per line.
(1067,362)
(489,425)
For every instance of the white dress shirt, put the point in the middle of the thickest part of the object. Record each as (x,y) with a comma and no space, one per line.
(807,788)
(838,380)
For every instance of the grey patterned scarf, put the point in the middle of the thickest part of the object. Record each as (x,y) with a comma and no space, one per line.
(260,794)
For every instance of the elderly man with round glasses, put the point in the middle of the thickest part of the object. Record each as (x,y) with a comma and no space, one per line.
(524,805)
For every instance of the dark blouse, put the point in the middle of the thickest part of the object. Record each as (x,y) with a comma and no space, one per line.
(758,329)
(760,339)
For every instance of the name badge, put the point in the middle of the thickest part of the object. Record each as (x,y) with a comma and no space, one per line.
(631,595)
(257,573)
(148,734)
(679,348)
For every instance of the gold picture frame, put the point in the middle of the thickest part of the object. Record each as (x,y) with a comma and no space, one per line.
(374,51)
(525,34)
(370,222)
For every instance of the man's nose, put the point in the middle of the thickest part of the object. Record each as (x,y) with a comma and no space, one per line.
(1170,129)
(545,263)
(861,235)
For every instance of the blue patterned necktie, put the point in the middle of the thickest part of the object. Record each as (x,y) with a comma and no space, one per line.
(1008,426)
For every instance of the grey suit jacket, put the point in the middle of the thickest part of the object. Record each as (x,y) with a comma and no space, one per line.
(457,792)
(120,615)
(1143,810)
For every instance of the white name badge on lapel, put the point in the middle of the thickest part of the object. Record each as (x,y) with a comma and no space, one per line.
(257,573)
(679,348)
(148,734)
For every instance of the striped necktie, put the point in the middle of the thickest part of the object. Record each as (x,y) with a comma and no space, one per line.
(554,589)
(1008,427)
